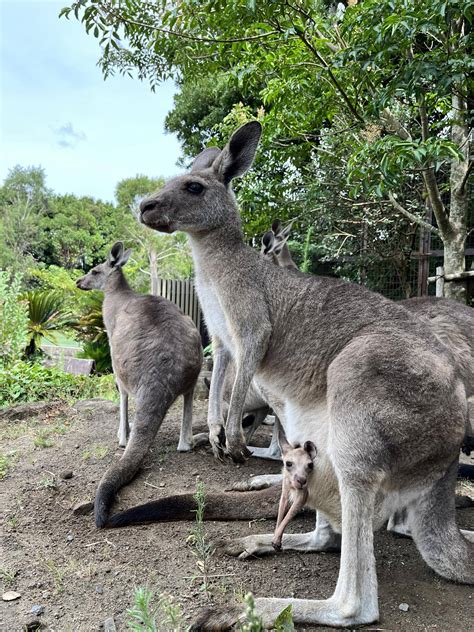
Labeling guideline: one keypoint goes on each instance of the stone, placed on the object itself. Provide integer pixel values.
(404, 607)
(66, 474)
(83, 508)
(10, 595)
(99, 590)
(37, 610)
(109, 625)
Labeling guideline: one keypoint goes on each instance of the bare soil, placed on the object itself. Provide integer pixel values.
(82, 576)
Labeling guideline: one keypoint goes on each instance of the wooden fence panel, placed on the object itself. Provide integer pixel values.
(182, 294)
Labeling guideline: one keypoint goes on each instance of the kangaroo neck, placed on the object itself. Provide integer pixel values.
(216, 247)
(116, 283)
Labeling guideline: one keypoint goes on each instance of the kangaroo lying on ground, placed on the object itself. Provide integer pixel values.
(369, 383)
(156, 356)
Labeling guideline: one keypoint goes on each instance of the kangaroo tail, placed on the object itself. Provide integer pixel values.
(149, 416)
(219, 506)
(434, 529)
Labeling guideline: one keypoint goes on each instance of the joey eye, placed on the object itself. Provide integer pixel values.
(94, 272)
(195, 187)
(288, 463)
(310, 466)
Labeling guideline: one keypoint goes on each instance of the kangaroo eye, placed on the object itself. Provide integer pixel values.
(288, 464)
(195, 187)
(94, 272)
(310, 466)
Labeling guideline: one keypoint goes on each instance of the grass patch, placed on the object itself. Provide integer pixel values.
(97, 451)
(59, 572)
(7, 575)
(43, 440)
(7, 459)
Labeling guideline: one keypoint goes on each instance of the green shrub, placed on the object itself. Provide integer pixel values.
(47, 317)
(13, 319)
(29, 382)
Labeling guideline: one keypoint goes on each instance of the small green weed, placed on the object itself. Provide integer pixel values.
(97, 451)
(7, 459)
(43, 440)
(201, 547)
(163, 616)
(7, 575)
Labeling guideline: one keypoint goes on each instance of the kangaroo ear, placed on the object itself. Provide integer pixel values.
(115, 253)
(205, 159)
(285, 233)
(267, 242)
(124, 258)
(237, 156)
(276, 226)
(283, 441)
(310, 448)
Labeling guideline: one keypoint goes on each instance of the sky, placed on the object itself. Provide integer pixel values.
(57, 111)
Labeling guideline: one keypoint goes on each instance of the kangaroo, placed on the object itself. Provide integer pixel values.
(275, 247)
(357, 374)
(156, 356)
(298, 470)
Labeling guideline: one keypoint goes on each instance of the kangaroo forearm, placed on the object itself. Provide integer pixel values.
(221, 362)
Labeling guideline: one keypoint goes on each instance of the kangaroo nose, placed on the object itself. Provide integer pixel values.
(147, 205)
(78, 282)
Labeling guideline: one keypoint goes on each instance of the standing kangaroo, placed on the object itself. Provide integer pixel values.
(156, 356)
(358, 375)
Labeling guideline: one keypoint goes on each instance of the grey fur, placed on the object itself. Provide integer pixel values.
(156, 355)
(360, 376)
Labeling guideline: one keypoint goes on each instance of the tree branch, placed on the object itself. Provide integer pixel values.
(193, 38)
(421, 222)
(395, 125)
(460, 189)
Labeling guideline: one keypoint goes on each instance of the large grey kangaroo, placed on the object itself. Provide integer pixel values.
(374, 389)
(156, 356)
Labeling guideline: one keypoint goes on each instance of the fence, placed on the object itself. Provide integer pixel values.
(183, 294)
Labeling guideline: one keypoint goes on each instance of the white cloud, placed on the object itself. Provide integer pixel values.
(68, 137)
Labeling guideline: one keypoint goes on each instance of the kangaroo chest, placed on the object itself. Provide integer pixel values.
(216, 320)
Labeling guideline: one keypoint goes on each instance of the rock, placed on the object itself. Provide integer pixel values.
(10, 595)
(404, 607)
(37, 610)
(69, 537)
(81, 509)
(96, 404)
(99, 590)
(24, 411)
(66, 474)
(109, 625)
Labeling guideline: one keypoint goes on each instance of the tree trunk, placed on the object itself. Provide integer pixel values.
(454, 243)
(153, 273)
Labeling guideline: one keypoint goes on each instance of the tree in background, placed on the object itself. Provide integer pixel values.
(373, 98)
(23, 202)
(159, 249)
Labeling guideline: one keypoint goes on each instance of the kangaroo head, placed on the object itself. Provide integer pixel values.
(298, 462)
(96, 278)
(274, 246)
(202, 200)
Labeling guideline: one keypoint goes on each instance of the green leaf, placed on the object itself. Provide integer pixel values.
(284, 621)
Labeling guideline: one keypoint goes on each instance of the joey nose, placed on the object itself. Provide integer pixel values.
(300, 481)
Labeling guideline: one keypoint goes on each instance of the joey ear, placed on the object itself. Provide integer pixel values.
(237, 156)
(310, 448)
(283, 441)
(115, 253)
(205, 159)
(268, 240)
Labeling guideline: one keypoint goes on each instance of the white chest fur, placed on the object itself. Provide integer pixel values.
(214, 314)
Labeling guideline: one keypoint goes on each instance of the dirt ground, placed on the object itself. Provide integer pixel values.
(82, 576)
